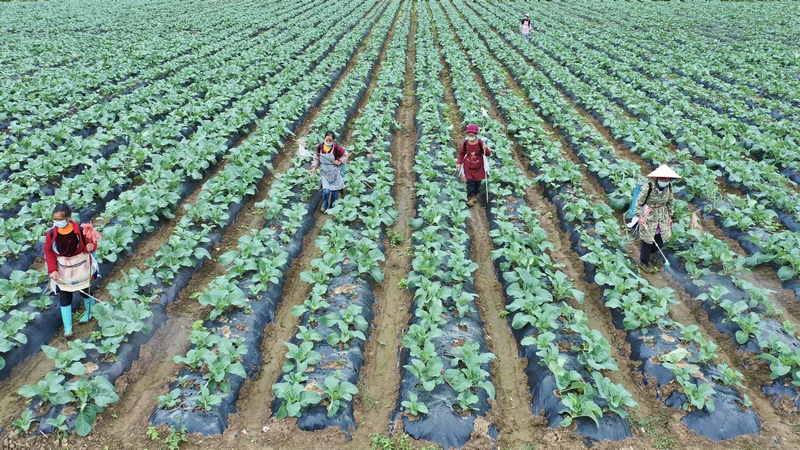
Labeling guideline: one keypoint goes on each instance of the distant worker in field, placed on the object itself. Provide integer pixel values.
(473, 162)
(67, 251)
(330, 156)
(654, 207)
(525, 27)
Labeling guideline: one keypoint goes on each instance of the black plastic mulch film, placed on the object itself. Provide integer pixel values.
(443, 424)
(541, 380)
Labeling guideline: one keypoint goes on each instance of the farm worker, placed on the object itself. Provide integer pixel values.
(330, 156)
(67, 251)
(655, 207)
(472, 162)
(525, 27)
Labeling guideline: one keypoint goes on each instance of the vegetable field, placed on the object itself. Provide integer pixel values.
(235, 313)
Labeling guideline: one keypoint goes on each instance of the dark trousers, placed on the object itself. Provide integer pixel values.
(473, 186)
(65, 298)
(648, 249)
(328, 197)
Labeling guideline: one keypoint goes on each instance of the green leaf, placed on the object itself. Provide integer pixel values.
(282, 411)
(227, 258)
(489, 387)
(28, 391)
(294, 409)
(416, 223)
(50, 352)
(76, 368)
(674, 356)
(742, 337)
(200, 252)
(85, 420)
(785, 273)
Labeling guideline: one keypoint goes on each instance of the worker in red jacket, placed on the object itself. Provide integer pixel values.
(331, 158)
(473, 162)
(68, 255)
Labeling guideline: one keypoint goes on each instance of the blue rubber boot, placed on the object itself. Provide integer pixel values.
(87, 303)
(66, 316)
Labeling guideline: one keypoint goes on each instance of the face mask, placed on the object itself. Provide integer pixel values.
(471, 138)
(663, 184)
(61, 223)
(328, 143)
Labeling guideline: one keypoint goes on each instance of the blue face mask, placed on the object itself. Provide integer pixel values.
(61, 223)
(663, 184)
(471, 138)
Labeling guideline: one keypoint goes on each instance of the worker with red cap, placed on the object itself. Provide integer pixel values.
(472, 162)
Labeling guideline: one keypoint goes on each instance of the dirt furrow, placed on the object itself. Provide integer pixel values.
(254, 403)
(765, 277)
(155, 361)
(154, 370)
(590, 184)
(598, 315)
(688, 310)
(380, 375)
(511, 410)
(36, 366)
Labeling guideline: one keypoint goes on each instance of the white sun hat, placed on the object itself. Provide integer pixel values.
(664, 172)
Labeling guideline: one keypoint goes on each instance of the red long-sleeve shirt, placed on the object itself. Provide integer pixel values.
(50, 254)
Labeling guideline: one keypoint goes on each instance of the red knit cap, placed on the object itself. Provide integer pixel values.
(472, 128)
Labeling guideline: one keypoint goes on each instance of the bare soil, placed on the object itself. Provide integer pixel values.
(380, 374)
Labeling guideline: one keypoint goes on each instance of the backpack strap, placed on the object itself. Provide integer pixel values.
(79, 232)
(480, 142)
(337, 148)
(649, 190)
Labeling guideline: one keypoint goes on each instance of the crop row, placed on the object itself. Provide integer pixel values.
(723, 141)
(290, 207)
(138, 211)
(445, 361)
(735, 306)
(105, 120)
(636, 307)
(96, 180)
(562, 350)
(40, 95)
(336, 318)
(642, 134)
(767, 135)
(263, 144)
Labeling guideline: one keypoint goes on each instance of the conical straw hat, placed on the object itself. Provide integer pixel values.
(663, 172)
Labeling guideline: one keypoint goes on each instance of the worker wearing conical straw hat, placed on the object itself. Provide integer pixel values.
(655, 207)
